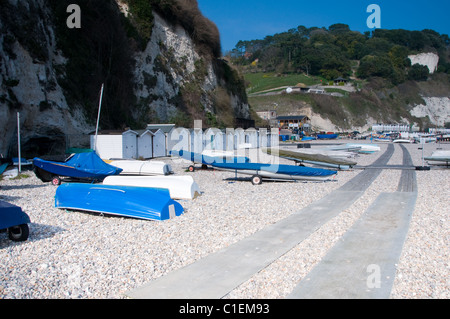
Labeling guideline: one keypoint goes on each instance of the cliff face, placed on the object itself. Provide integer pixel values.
(52, 75)
(28, 81)
(431, 60)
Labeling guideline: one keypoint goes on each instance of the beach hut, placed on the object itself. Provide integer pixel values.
(129, 144)
(179, 139)
(159, 143)
(196, 140)
(251, 137)
(214, 139)
(263, 138)
(239, 137)
(229, 140)
(145, 144)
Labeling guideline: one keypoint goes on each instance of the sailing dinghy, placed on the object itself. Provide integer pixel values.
(125, 201)
(439, 158)
(180, 187)
(82, 166)
(316, 156)
(366, 148)
(277, 171)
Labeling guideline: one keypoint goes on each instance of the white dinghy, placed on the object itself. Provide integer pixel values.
(366, 148)
(180, 187)
(149, 168)
(439, 158)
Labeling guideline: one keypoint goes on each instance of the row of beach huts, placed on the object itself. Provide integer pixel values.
(158, 140)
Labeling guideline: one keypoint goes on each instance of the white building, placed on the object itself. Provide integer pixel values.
(115, 144)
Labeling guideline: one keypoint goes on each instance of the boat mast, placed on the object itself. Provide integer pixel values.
(98, 118)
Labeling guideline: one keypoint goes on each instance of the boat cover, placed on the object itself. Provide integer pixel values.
(81, 165)
(12, 215)
(126, 201)
(290, 170)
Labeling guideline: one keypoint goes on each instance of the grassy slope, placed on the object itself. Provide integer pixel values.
(377, 99)
(266, 81)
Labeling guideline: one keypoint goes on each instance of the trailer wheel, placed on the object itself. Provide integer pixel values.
(256, 180)
(19, 233)
(56, 181)
(191, 168)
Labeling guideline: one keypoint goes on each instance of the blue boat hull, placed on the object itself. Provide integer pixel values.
(327, 136)
(81, 166)
(278, 171)
(126, 201)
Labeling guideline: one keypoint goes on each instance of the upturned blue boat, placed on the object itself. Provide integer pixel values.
(125, 201)
(82, 166)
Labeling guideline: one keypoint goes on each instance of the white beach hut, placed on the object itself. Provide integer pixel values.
(251, 137)
(159, 143)
(213, 139)
(263, 138)
(229, 140)
(179, 139)
(197, 143)
(129, 144)
(145, 144)
(239, 137)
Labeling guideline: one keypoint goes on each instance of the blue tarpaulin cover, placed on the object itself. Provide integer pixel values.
(82, 165)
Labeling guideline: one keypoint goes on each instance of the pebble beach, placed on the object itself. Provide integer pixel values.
(79, 255)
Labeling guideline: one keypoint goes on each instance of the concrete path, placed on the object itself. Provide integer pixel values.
(362, 263)
(219, 273)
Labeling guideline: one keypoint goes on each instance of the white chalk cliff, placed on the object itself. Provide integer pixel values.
(431, 60)
(437, 109)
(29, 80)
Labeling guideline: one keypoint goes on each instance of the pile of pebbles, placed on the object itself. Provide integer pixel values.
(86, 255)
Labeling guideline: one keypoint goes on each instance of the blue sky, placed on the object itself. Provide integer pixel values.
(255, 19)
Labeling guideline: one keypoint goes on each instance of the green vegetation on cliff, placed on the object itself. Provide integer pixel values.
(332, 52)
(103, 51)
(385, 84)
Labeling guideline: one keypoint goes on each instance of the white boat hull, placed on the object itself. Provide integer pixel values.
(148, 168)
(366, 148)
(439, 158)
(180, 187)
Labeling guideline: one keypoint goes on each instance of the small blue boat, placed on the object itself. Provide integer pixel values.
(15, 221)
(277, 171)
(126, 201)
(327, 136)
(82, 166)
